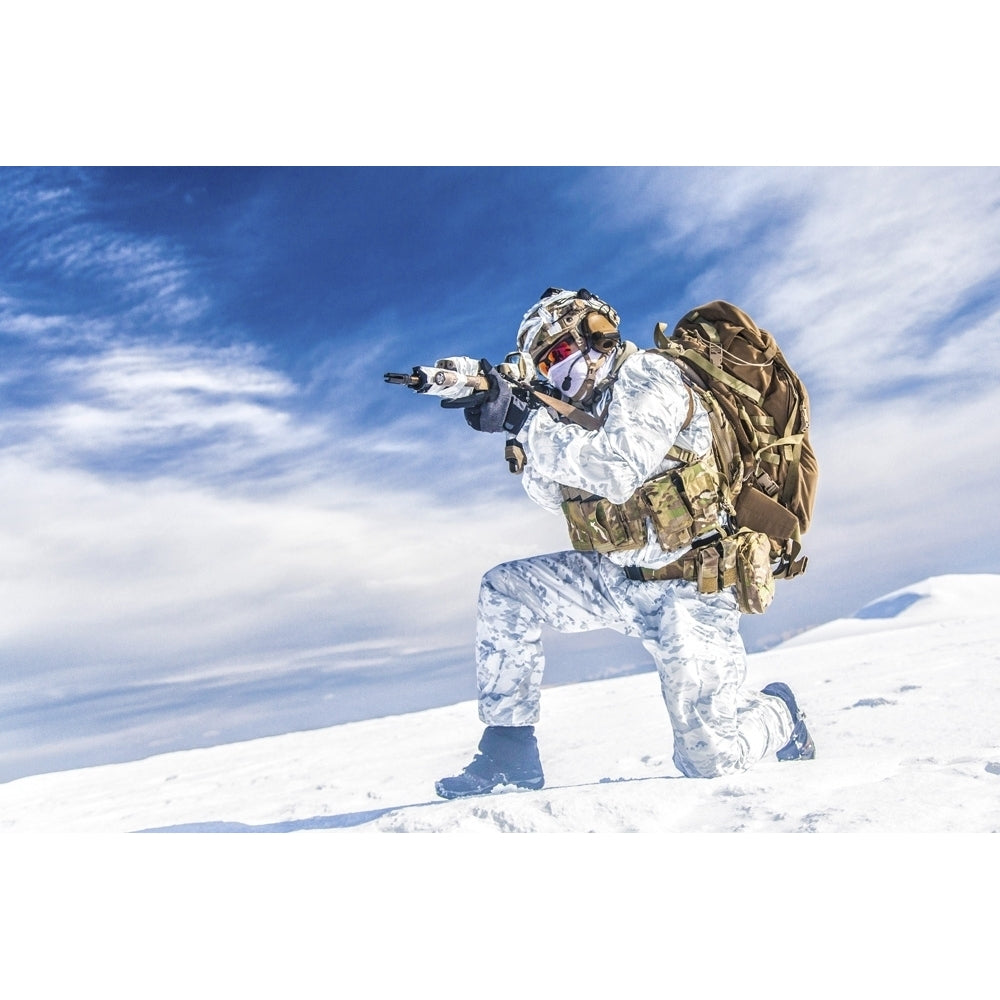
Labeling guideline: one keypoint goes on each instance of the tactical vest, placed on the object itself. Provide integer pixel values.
(683, 505)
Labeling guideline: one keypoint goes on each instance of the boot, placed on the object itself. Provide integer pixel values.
(800, 746)
(508, 755)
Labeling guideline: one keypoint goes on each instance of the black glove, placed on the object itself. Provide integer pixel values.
(497, 409)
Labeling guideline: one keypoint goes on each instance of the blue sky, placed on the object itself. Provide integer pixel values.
(218, 522)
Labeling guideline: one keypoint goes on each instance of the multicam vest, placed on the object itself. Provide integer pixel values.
(682, 504)
(688, 507)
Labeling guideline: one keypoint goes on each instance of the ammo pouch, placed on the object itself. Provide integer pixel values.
(742, 560)
(598, 525)
(681, 503)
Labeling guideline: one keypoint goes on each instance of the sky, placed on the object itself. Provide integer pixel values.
(219, 522)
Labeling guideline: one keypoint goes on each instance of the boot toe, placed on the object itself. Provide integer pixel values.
(465, 784)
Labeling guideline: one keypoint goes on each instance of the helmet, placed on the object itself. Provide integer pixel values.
(579, 318)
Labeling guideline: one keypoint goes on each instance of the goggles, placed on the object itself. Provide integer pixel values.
(559, 351)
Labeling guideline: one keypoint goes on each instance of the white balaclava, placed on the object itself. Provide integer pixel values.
(569, 374)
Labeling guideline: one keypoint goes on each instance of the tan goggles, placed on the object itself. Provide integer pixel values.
(559, 351)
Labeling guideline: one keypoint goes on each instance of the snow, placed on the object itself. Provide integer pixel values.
(904, 712)
(901, 700)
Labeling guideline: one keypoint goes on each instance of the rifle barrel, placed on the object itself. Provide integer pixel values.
(399, 378)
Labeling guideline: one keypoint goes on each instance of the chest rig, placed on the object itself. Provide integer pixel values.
(687, 507)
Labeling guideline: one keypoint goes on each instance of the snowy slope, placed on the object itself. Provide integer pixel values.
(903, 701)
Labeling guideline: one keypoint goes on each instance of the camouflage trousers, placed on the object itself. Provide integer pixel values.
(718, 727)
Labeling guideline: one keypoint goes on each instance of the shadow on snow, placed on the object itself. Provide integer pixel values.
(343, 820)
(337, 822)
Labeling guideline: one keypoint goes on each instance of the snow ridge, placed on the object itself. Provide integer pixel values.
(902, 701)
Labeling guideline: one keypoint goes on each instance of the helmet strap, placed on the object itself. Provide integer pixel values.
(586, 391)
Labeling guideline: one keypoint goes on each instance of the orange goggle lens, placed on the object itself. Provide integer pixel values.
(559, 351)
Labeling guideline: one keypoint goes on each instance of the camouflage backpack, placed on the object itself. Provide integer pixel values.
(760, 416)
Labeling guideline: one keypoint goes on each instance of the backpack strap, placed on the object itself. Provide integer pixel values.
(710, 365)
(677, 453)
(793, 442)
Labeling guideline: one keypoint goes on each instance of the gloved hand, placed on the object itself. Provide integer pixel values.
(495, 410)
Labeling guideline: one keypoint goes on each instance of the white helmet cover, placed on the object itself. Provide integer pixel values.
(591, 322)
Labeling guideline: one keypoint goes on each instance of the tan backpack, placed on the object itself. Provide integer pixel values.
(762, 437)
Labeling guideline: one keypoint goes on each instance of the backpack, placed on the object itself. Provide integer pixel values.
(759, 410)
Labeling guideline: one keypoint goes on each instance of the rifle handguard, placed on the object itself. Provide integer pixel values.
(439, 381)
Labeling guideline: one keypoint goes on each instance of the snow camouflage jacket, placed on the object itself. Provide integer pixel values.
(647, 406)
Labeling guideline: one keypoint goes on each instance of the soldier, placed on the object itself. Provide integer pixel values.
(611, 475)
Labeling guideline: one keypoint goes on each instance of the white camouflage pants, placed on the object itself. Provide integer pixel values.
(694, 639)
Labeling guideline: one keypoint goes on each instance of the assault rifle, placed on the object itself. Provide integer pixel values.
(457, 378)
(457, 382)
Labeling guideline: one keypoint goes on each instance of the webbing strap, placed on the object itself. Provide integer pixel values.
(708, 329)
(571, 412)
(792, 439)
(737, 385)
(664, 343)
(793, 443)
(789, 566)
(690, 412)
(676, 452)
(672, 571)
(791, 485)
(683, 455)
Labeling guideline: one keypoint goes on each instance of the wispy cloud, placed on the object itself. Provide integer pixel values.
(883, 288)
(185, 408)
(173, 519)
(48, 231)
(869, 275)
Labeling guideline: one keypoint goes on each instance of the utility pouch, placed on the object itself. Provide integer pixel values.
(743, 560)
(754, 578)
(668, 511)
(707, 567)
(597, 525)
(699, 489)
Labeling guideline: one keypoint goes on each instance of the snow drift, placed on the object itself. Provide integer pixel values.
(902, 700)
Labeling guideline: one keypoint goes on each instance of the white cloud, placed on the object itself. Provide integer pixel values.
(861, 272)
(261, 540)
(48, 230)
(879, 265)
(194, 410)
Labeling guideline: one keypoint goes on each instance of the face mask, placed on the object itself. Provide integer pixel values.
(569, 375)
